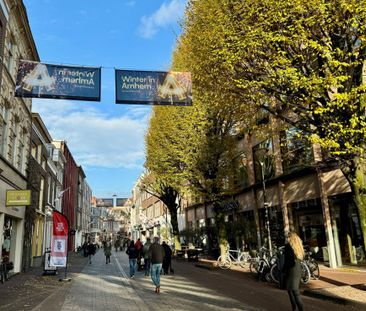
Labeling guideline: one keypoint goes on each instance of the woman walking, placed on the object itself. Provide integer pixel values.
(294, 253)
(108, 251)
(132, 256)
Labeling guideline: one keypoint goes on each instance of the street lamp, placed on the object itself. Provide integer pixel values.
(261, 161)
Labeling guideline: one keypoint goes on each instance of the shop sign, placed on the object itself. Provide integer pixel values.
(18, 197)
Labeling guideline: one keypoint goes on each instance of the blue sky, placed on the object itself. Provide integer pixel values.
(106, 139)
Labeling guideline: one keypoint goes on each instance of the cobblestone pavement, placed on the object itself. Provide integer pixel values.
(24, 291)
(107, 287)
(103, 287)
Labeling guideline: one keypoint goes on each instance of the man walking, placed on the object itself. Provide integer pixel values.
(145, 251)
(156, 256)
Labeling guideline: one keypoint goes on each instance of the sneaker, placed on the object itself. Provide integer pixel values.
(132, 276)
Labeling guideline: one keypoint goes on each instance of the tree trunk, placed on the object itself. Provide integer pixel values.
(220, 222)
(174, 223)
(357, 180)
(359, 192)
(223, 242)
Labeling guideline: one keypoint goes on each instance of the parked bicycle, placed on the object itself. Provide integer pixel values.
(309, 267)
(360, 254)
(305, 273)
(235, 257)
(311, 264)
(261, 264)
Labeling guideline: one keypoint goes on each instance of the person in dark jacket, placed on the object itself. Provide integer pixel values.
(167, 260)
(108, 251)
(145, 251)
(132, 256)
(90, 250)
(156, 254)
(293, 254)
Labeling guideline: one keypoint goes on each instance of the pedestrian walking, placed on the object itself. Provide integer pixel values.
(108, 251)
(293, 254)
(167, 260)
(156, 256)
(138, 246)
(145, 251)
(117, 244)
(90, 250)
(132, 258)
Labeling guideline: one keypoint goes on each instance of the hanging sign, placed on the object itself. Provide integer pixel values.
(18, 197)
(59, 240)
(57, 81)
(153, 87)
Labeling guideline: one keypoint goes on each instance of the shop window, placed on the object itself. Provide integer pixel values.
(276, 225)
(308, 222)
(241, 179)
(6, 246)
(263, 160)
(296, 150)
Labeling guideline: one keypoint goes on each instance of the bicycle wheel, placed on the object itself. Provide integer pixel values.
(359, 254)
(275, 273)
(244, 260)
(224, 264)
(305, 273)
(314, 269)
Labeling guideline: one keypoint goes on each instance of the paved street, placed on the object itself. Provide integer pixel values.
(107, 287)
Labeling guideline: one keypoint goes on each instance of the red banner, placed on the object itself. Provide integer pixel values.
(59, 240)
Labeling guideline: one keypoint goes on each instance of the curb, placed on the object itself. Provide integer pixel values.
(205, 266)
(338, 300)
(315, 294)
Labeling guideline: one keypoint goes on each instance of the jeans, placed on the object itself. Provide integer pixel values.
(147, 266)
(132, 262)
(155, 273)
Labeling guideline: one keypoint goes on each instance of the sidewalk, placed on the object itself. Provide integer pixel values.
(343, 285)
(24, 291)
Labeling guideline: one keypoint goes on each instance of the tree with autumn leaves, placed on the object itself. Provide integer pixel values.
(301, 61)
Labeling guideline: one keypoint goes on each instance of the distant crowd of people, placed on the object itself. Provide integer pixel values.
(151, 257)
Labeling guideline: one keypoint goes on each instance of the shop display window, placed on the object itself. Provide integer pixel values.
(5, 252)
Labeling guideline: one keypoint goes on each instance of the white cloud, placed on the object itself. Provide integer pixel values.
(167, 14)
(95, 138)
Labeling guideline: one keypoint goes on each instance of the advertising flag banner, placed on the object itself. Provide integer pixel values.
(59, 240)
(57, 81)
(153, 87)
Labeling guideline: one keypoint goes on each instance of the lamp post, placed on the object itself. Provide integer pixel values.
(265, 203)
